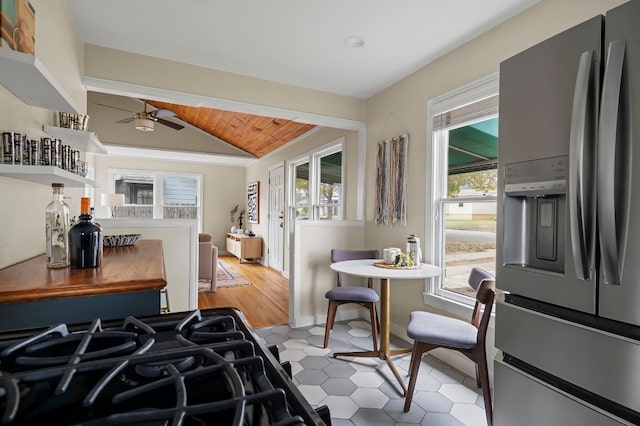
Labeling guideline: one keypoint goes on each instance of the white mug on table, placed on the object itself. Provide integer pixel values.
(389, 255)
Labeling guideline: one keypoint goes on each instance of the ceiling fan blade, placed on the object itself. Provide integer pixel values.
(110, 106)
(126, 120)
(170, 124)
(164, 113)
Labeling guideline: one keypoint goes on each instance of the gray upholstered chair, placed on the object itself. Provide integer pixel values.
(431, 331)
(207, 260)
(363, 296)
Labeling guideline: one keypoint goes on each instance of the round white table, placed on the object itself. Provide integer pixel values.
(366, 268)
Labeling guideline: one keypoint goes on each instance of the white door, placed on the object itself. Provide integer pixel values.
(276, 217)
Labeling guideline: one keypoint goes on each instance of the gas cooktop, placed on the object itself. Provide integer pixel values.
(200, 367)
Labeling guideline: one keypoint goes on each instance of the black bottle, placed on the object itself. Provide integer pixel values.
(85, 240)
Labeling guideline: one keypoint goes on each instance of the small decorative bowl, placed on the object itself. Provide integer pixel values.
(120, 240)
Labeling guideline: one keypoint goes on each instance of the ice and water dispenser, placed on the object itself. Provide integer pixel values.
(535, 214)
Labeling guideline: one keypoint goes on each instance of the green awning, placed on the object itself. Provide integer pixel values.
(330, 166)
(473, 147)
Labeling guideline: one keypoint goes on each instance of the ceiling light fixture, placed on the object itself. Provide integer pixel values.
(353, 42)
(144, 124)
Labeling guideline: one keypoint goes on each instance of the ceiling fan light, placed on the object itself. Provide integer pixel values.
(144, 124)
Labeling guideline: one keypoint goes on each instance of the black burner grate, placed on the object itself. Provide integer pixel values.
(185, 368)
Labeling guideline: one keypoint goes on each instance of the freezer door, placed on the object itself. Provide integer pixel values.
(539, 90)
(618, 154)
(523, 400)
(595, 361)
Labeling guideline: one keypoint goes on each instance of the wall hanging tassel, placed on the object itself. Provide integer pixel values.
(391, 181)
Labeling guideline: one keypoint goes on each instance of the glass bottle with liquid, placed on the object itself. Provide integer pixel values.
(85, 239)
(57, 228)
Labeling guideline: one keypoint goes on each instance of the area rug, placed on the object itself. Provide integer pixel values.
(226, 276)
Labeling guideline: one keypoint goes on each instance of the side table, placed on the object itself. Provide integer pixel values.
(244, 247)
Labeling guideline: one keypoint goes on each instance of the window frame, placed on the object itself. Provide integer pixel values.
(434, 295)
(154, 183)
(317, 204)
(314, 158)
(158, 187)
(293, 205)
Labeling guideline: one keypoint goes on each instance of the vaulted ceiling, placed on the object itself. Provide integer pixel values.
(253, 134)
(189, 129)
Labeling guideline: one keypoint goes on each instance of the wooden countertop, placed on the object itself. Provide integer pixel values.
(124, 269)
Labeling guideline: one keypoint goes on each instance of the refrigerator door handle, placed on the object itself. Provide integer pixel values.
(582, 167)
(608, 221)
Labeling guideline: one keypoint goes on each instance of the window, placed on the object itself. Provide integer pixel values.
(316, 191)
(464, 135)
(180, 197)
(301, 190)
(156, 194)
(329, 182)
(180, 191)
(137, 189)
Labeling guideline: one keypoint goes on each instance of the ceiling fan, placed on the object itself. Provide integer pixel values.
(146, 120)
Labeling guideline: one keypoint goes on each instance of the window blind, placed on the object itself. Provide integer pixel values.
(465, 114)
(180, 191)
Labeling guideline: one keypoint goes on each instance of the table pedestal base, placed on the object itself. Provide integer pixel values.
(385, 356)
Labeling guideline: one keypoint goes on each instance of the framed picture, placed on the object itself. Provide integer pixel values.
(253, 202)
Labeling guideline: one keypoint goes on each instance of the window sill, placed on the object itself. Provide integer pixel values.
(460, 310)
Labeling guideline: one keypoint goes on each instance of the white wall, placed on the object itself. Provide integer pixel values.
(60, 48)
(311, 277)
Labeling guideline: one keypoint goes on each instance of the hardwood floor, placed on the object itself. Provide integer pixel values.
(265, 302)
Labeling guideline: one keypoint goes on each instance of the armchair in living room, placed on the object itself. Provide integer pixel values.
(207, 259)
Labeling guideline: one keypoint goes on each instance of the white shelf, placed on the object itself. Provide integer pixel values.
(27, 78)
(45, 175)
(78, 139)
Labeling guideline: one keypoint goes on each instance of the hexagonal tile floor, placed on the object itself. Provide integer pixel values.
(363, 391)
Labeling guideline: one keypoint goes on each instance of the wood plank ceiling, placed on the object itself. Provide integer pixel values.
(256, 135)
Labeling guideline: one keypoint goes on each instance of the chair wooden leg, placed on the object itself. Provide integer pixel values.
(416, 358)
(478, 377)
(331, 316)
(374, 327)
(486, 387)
(166, 308)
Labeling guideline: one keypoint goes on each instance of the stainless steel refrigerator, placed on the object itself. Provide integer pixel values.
(568, 328)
